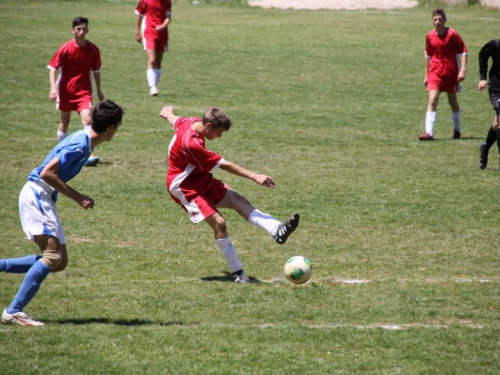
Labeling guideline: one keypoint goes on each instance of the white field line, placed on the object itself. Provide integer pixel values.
(390, 327)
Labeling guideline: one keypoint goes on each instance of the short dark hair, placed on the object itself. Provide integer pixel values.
(439, 12)
(217, 117)
(79, 20)
(106, 114)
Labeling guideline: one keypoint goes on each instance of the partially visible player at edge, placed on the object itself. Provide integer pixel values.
(191, 184)
(37, 207)
(490, 49)
(443, 71)
(151, 29)
(75, 61)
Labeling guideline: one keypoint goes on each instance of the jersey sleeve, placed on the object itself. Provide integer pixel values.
(96, 66)
(200, 157)
(141, 8)
(56, 61)
(68, 155)
(429, 51)
(461, 49)
(484, 54)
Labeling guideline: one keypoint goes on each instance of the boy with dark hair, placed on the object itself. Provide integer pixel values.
(443, 73)
(490, 49)
(191, 184)
(37, 206)
(75, 60)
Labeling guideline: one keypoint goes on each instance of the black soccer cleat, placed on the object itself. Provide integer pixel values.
(241, 277)
(285, 229)
(483, 156)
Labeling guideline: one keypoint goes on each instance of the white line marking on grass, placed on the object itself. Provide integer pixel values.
(355, 281)
(390, 327)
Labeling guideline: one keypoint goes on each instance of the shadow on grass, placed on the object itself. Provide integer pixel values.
(118, 322)
(227, 277)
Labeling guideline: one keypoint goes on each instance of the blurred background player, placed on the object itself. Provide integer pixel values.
(37, 207)
(153, 18)
(191, 184)
(445, 65)
(75, 60)
(490, 49)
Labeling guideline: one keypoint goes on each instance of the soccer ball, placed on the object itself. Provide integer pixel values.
(298, 270)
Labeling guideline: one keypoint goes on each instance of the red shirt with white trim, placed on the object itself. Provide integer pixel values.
(443, 51)
(190, 164)
(75, 65)
(154, 11)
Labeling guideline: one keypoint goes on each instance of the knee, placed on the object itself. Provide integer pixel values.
(53, 259)
(220, 227)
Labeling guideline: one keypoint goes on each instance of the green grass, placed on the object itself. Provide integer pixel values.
(329, 103)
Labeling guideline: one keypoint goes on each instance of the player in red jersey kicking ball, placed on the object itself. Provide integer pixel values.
(191, 184)
(443, 71)
(72, 90)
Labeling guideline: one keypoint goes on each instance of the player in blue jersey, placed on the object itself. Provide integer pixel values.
(37, 206)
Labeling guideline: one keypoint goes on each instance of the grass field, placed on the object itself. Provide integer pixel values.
(329, 103)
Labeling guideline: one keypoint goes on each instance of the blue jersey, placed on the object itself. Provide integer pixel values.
(72, 152)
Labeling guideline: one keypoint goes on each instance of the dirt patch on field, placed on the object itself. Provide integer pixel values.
(333, 4)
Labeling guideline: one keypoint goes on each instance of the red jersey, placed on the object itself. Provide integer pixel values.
(153, 11)
(443, 51)
(190, 164)
(75, 65)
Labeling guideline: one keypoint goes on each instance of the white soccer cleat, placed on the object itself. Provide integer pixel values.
(153, 91)
(20, 318)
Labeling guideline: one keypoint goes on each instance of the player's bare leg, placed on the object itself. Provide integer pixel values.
(62, 130)
(86, 117)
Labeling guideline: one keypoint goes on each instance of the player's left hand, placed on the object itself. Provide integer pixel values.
(100, 95)
(264, 180)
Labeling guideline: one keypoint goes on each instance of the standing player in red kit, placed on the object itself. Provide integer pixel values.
(153, 18)
(191, 184)
(75, 60)
(445, 65)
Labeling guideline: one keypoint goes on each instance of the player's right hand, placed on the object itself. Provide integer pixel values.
(53, 95)
(481, 85)
(86, 202)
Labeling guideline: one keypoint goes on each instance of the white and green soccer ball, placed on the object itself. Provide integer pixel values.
(298, 270)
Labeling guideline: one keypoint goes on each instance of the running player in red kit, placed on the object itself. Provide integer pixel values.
(75, 61)
(153, 18)
(191, 184)
(445, 65)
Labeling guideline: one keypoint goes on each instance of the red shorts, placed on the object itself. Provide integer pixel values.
(443, 84)
(153, 40)
(205, 204)
(73, 106)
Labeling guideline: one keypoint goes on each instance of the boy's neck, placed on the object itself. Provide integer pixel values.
(81, 42)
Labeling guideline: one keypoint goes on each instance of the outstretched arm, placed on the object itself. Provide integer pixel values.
(261, 179)
(167, 113)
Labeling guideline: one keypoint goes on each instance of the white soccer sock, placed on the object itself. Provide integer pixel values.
(455, 117)
(227, 249)
(157, 76)
(61, 135)
(430, 118)
(150, 73)
(264, 221)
